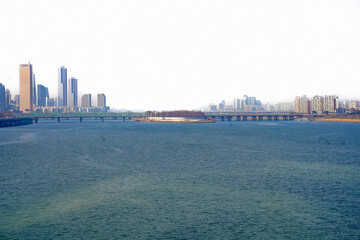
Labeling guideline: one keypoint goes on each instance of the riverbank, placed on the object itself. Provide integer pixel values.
(336, 120)
(175, 120)
(12, 122)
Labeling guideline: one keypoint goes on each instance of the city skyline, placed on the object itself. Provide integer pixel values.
(182, 55)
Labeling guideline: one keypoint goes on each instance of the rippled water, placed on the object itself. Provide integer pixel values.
(229, 180)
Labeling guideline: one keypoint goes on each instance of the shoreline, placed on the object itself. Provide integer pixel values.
(337, 120)
(12, 122)
(180, 120)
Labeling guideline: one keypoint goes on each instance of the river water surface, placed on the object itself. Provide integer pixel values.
(228, 180)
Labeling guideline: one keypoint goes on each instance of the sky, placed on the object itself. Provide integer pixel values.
(185, 54)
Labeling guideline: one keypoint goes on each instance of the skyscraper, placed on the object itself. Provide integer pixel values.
(73, 92)
(237, 104)
(42, 95)
(101, 100)
(86, 100)
(26, 88)
(7, 99)
(34, 90)
(2, 98)
(62, 87)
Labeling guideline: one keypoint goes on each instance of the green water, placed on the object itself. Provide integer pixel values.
(238, 180)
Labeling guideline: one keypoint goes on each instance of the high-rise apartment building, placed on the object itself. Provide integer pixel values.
(327, 104)
(7, 99)
(86, 100)
(317, 104)
(101, 100)
(302, 105)
(73, 92)
(62, 86)
(331, 103)
(26, 88)
(2, 98)
(42, 95)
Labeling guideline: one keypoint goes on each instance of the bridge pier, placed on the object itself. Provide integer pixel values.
(229, 118)
(269, 118)
(123, 119)
(285, 118)
(276, 118)
(36, 120)
(291, 118)
(81, 119)
(222, 118)
(238, 118)
(102, 119)
(58, 120)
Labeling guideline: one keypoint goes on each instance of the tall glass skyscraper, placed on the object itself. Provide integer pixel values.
(73, 92)
(62, 87)
(2, 98)
(43, 94)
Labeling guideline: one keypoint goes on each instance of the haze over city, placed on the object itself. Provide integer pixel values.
(163, 55)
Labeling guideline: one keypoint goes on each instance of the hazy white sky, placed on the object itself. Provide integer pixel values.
(183, 54)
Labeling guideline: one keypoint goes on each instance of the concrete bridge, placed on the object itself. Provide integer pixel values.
(82, 117)
(244, 116)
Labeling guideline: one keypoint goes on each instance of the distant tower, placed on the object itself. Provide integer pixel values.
(17, 102)
(62, 87)
(7, 99)
(86, 100)
(26, 88)
(2, 98)
(34, 90)
(73, 92)
(101, 100)
(43, 94)
(237, 105)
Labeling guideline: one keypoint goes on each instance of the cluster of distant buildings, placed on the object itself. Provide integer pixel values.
(245, 104)
(35, 98)
(315, 105)
(324, 104)
(249, 104)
